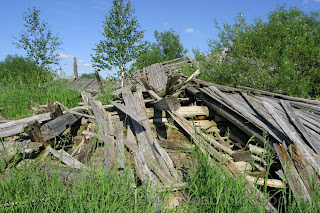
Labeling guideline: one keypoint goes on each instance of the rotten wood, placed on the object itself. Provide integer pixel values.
(56, 127)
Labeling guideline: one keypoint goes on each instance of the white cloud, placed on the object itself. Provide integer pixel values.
(81, 72)
(80, 61)
(65, 56)
(190, 30)
(316, 0)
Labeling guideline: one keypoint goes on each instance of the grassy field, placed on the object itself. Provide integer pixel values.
(18, 99)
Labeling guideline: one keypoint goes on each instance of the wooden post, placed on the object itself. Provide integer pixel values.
(99, 80)
(75, 67)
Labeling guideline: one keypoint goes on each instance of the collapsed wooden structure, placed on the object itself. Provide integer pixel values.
(238, 127)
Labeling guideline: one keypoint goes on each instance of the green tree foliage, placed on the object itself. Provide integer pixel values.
(39, 41)
(122, 41)
(20, 70)
(167, 47)
(281, 54)
(88, 75)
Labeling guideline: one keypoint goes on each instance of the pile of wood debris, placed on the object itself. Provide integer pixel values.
(161, 117)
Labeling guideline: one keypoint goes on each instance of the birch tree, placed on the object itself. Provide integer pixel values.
(122, 39)
(39, 41)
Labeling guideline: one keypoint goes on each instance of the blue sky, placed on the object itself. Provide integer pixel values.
(79, 22)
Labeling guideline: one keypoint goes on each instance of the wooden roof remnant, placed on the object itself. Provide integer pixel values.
(238, 127)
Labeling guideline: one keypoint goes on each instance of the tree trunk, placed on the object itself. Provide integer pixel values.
(122, 76)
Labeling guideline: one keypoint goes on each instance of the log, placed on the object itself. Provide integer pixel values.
(17, 126)
(185, 147)
(56, 127)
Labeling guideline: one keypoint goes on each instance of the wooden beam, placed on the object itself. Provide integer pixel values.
(120, 157)
(15, 127)
(296, 122)
(75, 68)
(106, 132)
(129, 112)
(56, 127)
(66, 158)
(99, 81)
(305, 151)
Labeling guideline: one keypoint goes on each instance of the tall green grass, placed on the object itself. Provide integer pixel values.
(212, 190)
(100, 192)
(16, 99)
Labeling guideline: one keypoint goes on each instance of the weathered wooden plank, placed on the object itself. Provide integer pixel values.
(66, 158)
(228, 114)
(85, 99)
(87, 148)
(120, 157)
(297, 186)
(55, 110)
(157, 77)
(185, 111)
(158, 149)
(274, 183)
(99, 81)
(170, 83)
(104, 122)
(295, 120)
(74, 112)
(285, 97)
(75, 67)
(294, 137)
(129, 112)
(241, 155)
(58, 126)
(246, 114)
(15, 127)
(141, 133)
(167, 103)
